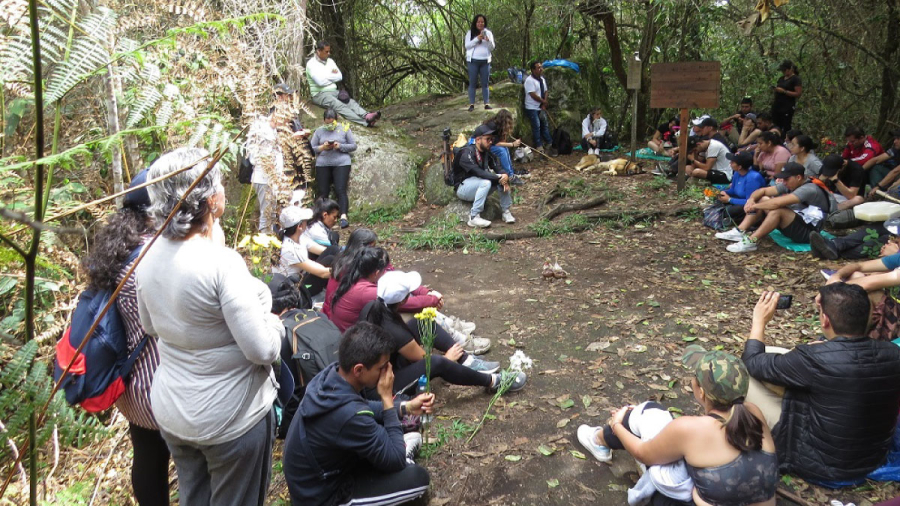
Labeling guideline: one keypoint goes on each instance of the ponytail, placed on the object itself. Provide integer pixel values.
(743, 430)
(287, 232)
(364, 263)
(381, 313)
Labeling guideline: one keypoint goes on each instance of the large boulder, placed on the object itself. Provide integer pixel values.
(433, 187)
(462, 208)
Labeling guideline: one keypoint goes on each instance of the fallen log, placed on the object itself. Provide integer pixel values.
(554, 194)
(577, 206)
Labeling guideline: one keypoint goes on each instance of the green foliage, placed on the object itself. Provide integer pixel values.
(442, 234)
(566, 225)
(456, 430)
(871, 246)
(76, 494)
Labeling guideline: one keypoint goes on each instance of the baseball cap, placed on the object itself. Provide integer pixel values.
(893, 226)
(745, 160)
(723, 377)
(709, 122)
(282, 88)
(292, 215)
(483, 130)
(790, 169)
(750, 115)
(895, 133)
(831, 165)
(394, 286)
(139, 199)
(698, 121)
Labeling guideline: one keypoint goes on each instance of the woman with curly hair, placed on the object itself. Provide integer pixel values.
(105, 265)
(502, 123)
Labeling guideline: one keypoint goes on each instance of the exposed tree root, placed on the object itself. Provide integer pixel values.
(577, 206)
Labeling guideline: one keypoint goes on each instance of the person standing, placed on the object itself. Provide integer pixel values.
(536, 103)
(323, 75)
(479, 44)
(787, 90)
(333, 142)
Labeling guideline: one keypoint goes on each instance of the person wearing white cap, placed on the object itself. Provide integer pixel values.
(294, 252)
(455, 366)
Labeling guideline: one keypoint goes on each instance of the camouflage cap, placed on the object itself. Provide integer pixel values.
(722, 376)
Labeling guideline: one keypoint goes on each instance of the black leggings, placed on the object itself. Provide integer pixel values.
(340, 176)
(371, 487)
(149, 466)
(441, 367)
(314, 283)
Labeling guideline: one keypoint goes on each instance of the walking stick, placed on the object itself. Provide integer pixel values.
(545, 155)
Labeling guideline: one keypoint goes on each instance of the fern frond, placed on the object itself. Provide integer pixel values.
(61, 7)
(14, 372)
(167, 108)
(201, 130)
(86, 57)
(151, 73)
(149, 97)
(216, 137)
(15, 59)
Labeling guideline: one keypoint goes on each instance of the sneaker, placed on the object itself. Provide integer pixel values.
(487, 107)
(344, 223)
(745, 245)
(478, 364)
(471, 107)
(477, 345)
(520, 171)
(553, 152)
(515, 180)
(518, 382)
(463, 326)
(508, 217)
(413, 442)
(587, 438)
(734, 234)
(822, 247)
(478, 222)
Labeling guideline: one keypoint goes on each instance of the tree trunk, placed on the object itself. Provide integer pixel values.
(112, 120)
(888, 106)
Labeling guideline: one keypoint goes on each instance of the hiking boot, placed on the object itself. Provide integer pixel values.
(478, 222)
(518, 382)
(515, 180)
(344, 223)
(553, 152)
(745, 245)
(734, 234)
(587, 436)
(478, 364)
(471, 107)
(822, 247)
(487, 107)
(477, 345)
(508, 217)
(413, 442)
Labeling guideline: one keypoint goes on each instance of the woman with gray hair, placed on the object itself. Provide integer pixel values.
(213, 391)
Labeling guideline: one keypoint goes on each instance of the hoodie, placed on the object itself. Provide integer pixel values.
(337, 430)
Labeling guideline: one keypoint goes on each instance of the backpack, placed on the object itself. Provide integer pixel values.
(245, 168)
(714, 216)
(310, 344)
(450, 159)
(562, 142)
(97, 377)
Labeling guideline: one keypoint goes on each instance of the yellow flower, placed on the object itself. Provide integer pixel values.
(244, 241)
(255, 260)
(429, 313)
(275, 242)
(261, 240)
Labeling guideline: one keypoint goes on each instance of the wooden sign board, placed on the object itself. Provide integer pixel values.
(685, 85)
(634, 75)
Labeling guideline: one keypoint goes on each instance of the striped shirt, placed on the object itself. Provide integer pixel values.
(135, 401)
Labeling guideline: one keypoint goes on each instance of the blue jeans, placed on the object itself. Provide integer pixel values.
(502, 155)
(476, 191)
(482, 69)
(540, 127)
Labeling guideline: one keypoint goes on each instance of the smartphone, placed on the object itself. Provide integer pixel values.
(784, 301)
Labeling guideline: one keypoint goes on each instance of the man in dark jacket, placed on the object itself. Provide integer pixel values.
(343, 449)
(476, 174)
(836, 419)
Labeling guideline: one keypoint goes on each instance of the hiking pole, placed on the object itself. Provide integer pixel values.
(886, 196)
(545, 155)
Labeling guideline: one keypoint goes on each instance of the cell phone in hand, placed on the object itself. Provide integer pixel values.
(784, 301)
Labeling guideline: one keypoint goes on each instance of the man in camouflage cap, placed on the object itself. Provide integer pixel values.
(722, 376)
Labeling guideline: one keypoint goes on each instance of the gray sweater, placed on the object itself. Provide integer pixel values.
(217, 340)
(333, 157)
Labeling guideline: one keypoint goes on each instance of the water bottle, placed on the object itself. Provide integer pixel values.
(420, 389)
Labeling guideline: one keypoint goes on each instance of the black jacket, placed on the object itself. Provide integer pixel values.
(466, 165)
(840, 405)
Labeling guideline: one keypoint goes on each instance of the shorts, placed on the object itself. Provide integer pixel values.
(885, 319)
(798, 231)
(717, 177)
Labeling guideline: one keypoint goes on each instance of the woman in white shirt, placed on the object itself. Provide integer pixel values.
(593, 131)
(479, 44)
(294, 253)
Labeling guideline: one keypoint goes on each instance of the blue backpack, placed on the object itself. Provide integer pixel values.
(97, 377)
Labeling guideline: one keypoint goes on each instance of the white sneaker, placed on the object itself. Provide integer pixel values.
(413, 442)
(734, 234)
(465, 327)
(478, 222)
(477, 345)
(508, 217)
(743, 246)
(586, 436)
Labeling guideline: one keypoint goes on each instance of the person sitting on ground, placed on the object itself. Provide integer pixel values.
(536, 103)
(876, 276)
(729, 453)
(796, 207)
(848, 385)
(664, 137)
(459, 330)
(749, 132)
(802, 151)
(593, 132)
(476, 174)
(323, 75)
(890, 160)
(744, 181)
(709, 128)
(790, 135)
(715, 168)
(770, 156)
(845, 178)
(502, 123)
(294, 259)
(862, 148)
(737, 119)
(408, 357)
(344, 449)
(766, 124)
(696, 129)
(863, 243)
(319, 231)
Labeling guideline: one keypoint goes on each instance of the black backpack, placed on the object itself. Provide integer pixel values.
(245, 168)
(562, 142)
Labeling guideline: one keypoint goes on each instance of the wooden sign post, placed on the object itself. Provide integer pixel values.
(685, 85)
(634, 84)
